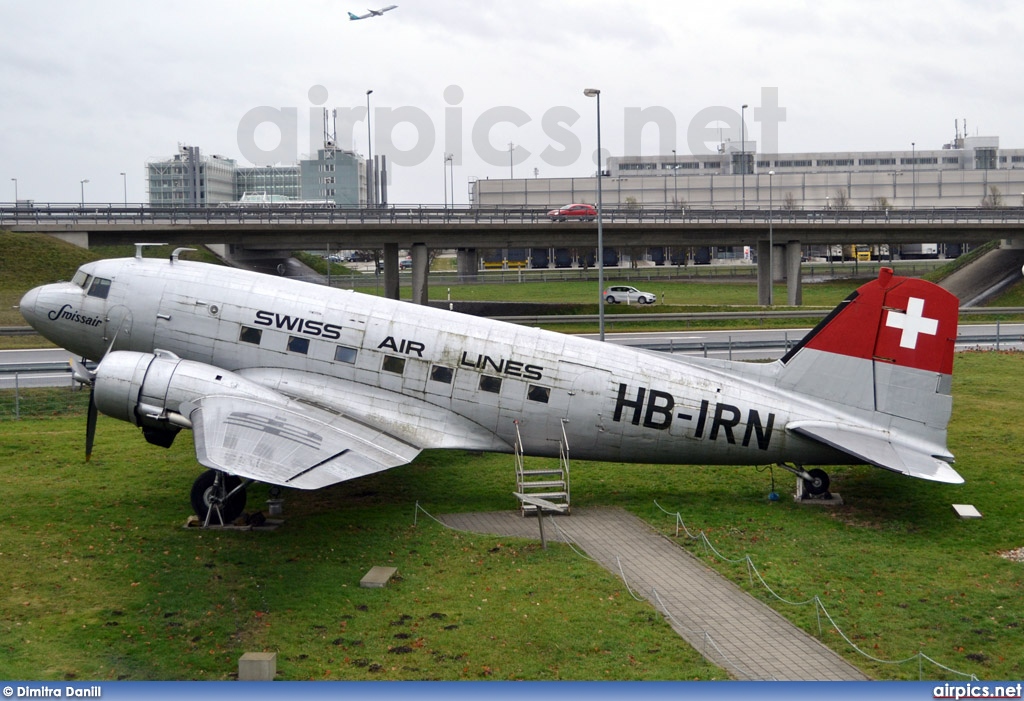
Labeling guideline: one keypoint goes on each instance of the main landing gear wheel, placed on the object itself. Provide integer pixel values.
(218, 497)
(818, 482)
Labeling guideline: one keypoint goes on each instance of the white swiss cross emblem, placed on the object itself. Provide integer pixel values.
(913, 322)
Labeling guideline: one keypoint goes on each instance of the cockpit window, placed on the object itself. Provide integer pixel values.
(100, 287)
(81, 278)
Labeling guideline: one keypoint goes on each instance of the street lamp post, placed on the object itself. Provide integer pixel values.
(511, 147)
(124, 181)
(451, 176)
(771, 241)
(371, 185)
(82, 183)
(594, 92)
(449, 162)
(675, 181)
(15, 181)
(913, 175)
(743, 155)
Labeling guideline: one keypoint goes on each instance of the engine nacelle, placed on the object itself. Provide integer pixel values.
(149, 390)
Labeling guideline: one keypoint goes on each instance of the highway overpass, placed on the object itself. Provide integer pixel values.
(274, 230)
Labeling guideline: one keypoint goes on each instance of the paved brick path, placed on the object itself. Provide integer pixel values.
(730, 628)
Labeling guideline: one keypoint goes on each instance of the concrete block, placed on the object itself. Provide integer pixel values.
(257, 667)
(966, 511)
(377, 577)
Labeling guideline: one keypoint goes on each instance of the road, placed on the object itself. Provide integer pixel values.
(18, 368)
(47, 367)
(770, 344)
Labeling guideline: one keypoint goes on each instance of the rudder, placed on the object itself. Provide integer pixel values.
(884, 357)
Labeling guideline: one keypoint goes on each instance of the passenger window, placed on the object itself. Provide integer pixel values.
(100, 287)
(249, 334)
(440, 373)
(344, 354)
(297, 344)
(490, 384)
(538, 394)
(394, 364)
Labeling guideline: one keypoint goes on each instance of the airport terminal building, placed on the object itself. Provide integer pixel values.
(967, 172)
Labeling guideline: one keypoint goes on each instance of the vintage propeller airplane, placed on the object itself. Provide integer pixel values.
(298, 385)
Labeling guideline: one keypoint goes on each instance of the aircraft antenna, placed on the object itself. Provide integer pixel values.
(178, 251)
(330, 132)
(140, 246)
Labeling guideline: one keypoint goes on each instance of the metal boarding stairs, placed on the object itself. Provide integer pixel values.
(550, 485)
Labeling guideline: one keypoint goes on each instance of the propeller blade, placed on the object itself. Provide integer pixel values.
(80, 373)
(90, 425)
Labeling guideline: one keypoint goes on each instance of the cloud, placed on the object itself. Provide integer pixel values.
(101, 88)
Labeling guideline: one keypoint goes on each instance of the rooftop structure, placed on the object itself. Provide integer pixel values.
(967, 172)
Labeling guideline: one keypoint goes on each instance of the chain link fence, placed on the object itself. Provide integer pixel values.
(34, 402)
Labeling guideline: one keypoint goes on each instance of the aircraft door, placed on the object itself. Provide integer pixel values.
(118, 330)
(589, 414)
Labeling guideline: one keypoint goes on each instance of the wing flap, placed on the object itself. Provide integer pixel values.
(878, 448)
(293, 446)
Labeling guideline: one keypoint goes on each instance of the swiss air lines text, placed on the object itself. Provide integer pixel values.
(655, 409)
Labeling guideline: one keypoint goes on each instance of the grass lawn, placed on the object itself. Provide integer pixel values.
(100, 580)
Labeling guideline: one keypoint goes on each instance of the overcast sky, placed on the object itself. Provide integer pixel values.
(93, 89)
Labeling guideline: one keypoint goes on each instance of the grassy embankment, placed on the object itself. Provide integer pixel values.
(30, 260)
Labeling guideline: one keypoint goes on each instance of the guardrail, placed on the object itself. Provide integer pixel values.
(233, 214)
(997, 341)
(814, 313)
(785, 344)
(719, 316)
(48, 368)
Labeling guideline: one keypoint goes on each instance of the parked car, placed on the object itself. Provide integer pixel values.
(579, 212)
(405, 264)
(622, 293)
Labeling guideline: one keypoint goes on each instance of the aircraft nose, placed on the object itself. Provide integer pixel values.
(29, 307)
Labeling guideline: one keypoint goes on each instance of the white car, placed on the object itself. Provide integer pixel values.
(622, 293)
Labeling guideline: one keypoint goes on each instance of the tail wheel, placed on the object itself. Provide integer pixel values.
(818, 483)
(218, 497)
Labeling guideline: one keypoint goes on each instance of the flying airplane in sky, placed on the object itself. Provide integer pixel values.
(372, 13)
(299, 385)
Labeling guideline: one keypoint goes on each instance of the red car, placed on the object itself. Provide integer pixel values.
(579, 212)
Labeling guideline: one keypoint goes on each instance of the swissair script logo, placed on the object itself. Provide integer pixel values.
(913, 322)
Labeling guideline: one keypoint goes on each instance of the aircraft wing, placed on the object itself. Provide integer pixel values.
(876, 447)
(289, 446)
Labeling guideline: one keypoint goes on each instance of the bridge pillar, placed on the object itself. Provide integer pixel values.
(391, 287)
(764, 275)
(466, 264)
(420, 272)
(781, 262)
(794, 284)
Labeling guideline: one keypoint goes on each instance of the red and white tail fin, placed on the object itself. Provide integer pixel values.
(885, 357)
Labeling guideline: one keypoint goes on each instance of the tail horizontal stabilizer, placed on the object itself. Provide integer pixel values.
(882, 450)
